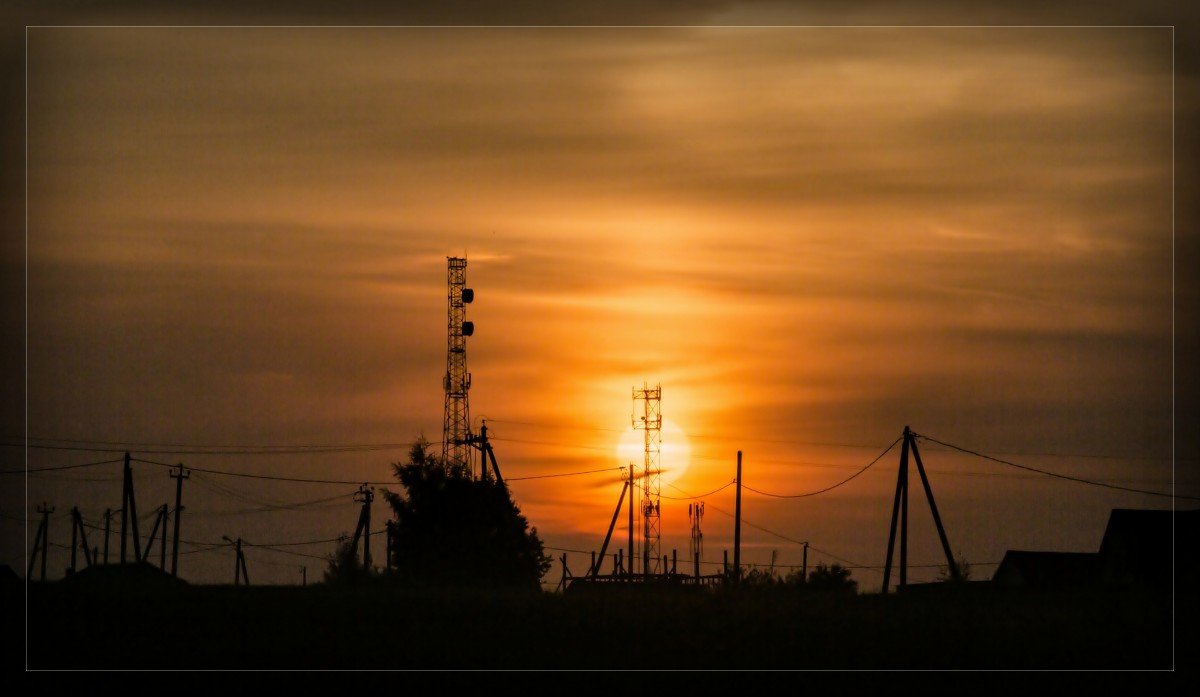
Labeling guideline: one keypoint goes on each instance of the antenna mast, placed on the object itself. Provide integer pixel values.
(456, 425)
(650, 422)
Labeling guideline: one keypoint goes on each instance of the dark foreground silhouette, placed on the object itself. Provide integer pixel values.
(373, 626)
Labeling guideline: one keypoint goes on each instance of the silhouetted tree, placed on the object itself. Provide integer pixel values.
(832, 578)
(452, 529)
(964, 571)
(345, 565)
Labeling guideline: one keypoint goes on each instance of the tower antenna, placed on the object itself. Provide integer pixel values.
(650, 423)
(456, 424)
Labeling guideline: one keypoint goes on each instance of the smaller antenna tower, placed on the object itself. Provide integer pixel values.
(696, 515)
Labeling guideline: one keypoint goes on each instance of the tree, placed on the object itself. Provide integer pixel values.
(964, 571)
(345, 565)
(832, 578)
(452, 529)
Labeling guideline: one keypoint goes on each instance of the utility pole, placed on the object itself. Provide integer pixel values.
(107, 527)
(45, 511)
(162, 542)
(303, 575)
(900, 514)
(178, 474)
(595, 568)
(160, 522)
(239, 564)
(79, 538)
(364, 496)
(74, 533)
(129, 514)
(804, 565)
(737, 524)
(632, 493)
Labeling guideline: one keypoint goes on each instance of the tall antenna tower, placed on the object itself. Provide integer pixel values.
(696, 515)
(650, 423)
(456, 425)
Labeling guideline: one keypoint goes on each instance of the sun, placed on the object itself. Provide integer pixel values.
(676, 451)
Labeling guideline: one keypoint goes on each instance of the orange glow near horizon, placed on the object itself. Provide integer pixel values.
(809, 237)
(675, 451)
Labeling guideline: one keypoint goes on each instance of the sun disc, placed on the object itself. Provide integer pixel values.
(674, 451)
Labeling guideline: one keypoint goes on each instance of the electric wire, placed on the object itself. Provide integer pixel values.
(847, 480)
(1055, 474)
(61, 467)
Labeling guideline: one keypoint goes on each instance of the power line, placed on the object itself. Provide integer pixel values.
(691, 498)
(62, 467)
(741, 438)
(264, 476)
(564, 474)
(828, 488)
(201, 449)
(1055, 474)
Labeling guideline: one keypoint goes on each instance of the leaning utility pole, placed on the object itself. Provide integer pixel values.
(178, 474)
(39, 541)
(129, 514)
(900, 514)
(79, 538)
(632, 497)
(364, 495)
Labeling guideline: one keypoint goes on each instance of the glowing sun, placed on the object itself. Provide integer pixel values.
(675, 451)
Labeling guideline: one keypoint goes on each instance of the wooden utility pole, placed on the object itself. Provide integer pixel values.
(178, 475)
(804, 567)
(107, 527)
(631, 500)
(595, 569)
(900, 515)
(303, 575)
(239, 562)
(79, 538)
(129, 514)
(365, 495)
(565, 573)
(45, 529)
(160, 522)
(737, 524)
(37, 547)
(74, 536)
(162, 542)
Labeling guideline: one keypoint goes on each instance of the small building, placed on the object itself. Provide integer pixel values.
(1048, 570)
(1141, 548)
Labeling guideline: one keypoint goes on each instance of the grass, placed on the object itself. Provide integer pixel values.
(379, 627)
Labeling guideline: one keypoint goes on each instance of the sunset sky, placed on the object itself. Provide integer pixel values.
(811, 237)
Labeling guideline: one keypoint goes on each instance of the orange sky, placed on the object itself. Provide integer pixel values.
(809, 237)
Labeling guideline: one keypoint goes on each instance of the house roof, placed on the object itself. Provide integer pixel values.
(1047, 569)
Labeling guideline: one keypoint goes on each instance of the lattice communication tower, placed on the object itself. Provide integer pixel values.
(650, 423)
(456, 424)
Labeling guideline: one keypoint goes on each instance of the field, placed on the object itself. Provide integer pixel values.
(320, 627)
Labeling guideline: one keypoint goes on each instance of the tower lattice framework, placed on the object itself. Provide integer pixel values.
(456, 424)
(696, 514)
(650, 423)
